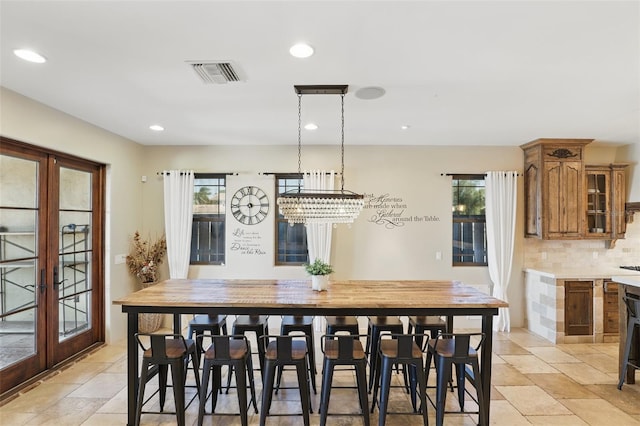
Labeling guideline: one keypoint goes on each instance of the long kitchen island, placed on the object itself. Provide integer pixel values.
(628, 285)
(295, 297)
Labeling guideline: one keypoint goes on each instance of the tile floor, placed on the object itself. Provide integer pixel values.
(534, 382)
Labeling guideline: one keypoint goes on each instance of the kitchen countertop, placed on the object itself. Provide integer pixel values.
(595, 272)
(632, 281)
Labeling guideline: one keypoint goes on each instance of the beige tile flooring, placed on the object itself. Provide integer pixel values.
(534, 382)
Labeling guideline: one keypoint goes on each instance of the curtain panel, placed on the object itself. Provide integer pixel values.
(501, 195)
(178, 218)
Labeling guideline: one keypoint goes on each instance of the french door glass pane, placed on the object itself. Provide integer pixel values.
(17, 337)
(18, 259)
(75, 251)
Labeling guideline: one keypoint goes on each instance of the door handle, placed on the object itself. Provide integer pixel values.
(56, 283)
(42, 285)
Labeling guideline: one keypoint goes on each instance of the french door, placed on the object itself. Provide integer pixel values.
(51, 270)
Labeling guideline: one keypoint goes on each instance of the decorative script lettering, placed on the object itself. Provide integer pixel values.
(247, 242)
(392, 211)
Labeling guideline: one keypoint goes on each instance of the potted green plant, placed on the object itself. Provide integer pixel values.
(319, 272)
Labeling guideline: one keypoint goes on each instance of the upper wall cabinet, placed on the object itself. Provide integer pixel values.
(554, 182)
(605, 201)
(566, 199)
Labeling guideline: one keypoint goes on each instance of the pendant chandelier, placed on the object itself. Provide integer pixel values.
(310, 205)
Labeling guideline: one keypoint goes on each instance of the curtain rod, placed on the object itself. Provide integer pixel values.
(293, 173)
(470, 174)
(166, 172)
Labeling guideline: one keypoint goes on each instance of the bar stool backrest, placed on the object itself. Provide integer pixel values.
(345, 346)
(284, 346)
(222, 346)
(406, 345)
(461, 347)
(159, 351)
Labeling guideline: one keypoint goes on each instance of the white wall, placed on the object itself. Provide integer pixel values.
(411, 175)
(28, 121)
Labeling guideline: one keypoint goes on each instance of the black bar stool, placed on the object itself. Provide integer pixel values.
(258, 324)
(455, 349)
(376, 326)
(343, 350)
(234, 351)
(632, 302)
(164, 351)
(214, 324)
(433, 324)
(282, 351)
(302, 324)
(399, 349)
(342, 323)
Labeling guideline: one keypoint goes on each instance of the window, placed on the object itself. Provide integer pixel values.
(207, 233)
(469, 230)
(291, 241)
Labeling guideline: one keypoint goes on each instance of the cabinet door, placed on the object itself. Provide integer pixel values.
(598, 218)
(578, 308)
(610, 307)
(618, 192)
(563, 191)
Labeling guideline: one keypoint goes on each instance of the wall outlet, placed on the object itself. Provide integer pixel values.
(438, 255)
(120, 258)
(595, 254)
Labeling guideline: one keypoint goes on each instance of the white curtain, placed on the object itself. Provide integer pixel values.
(178, 214)
(501, 193)
(319, 234)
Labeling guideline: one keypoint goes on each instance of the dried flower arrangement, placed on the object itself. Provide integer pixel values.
(145, 257)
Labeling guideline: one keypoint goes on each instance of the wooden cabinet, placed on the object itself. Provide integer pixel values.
(566, 199)
(611, 317)
(605, 201)
(578, 308)
(554, 188)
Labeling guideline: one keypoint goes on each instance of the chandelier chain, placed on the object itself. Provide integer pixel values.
(300, 133)
(342, 142)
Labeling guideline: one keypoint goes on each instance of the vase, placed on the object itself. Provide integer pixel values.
(149, 322)
(319, 282)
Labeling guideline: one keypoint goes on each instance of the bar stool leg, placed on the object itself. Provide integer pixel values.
(385, 385)
(627, 353)
(177, 375)
(325, 391)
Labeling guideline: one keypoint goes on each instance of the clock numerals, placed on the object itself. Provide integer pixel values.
(250, 205)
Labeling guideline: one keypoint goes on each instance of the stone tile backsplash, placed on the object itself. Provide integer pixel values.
(542, 254)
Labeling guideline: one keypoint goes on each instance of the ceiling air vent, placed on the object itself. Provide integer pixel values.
(215, 72)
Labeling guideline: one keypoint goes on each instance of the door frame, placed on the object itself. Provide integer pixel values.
(46, 356)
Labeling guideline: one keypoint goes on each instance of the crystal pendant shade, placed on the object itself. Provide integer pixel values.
(315, 207)
(320, 206)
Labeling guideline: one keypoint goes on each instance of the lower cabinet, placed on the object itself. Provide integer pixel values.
(578, 308)
(611, 316)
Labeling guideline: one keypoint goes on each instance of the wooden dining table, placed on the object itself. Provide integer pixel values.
(295, 297)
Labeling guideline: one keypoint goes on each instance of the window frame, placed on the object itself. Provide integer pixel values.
(281, 220)
(473, 219)
(221, 218)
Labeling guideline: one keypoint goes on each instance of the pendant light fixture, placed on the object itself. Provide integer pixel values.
(311, 205)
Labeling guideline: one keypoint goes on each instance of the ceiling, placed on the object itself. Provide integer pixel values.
(458, 73)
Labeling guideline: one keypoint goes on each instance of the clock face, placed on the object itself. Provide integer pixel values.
(250, 205)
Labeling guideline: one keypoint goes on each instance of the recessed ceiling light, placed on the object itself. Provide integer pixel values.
(301, 50)
(156, 128)
(405, 127)
(311, 126)
(371, 92)
(30, 55)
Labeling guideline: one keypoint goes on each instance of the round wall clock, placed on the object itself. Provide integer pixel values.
(249, 205)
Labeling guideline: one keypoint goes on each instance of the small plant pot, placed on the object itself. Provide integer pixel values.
(319, 282)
